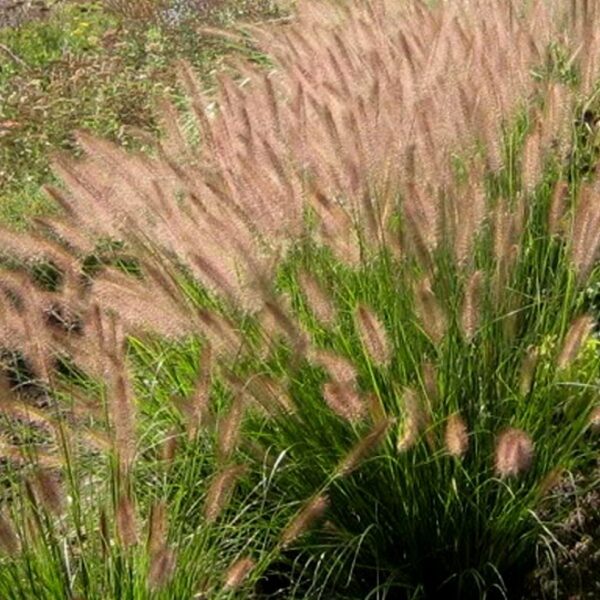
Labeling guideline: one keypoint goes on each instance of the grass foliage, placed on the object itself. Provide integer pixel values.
(341, 346)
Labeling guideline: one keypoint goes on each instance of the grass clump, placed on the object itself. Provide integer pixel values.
(383, 248)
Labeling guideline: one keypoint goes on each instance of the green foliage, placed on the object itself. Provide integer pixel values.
(84, 67)
(404, 448)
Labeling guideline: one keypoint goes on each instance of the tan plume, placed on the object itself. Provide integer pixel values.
(238, 573)
(414, 422)
(373, 335)
(126, 521)
(365, 446)
(220, 490)
(471, 308)
(575, 338)
(514, 453)
(312, 511)
(345, 400)
(456, 436)
(318, 300)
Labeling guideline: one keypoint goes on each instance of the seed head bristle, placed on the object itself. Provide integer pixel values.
(414, 421)
(557, 209)
(157, 533)
(340, 369)
(373, 335)
(550, 481)
(456, 436)
(122, 413)
(169, 447)
(9, 542)
(49, 491)
(220, 490)
(594, 419)
(585, 234)
(162, 567)
(532, 158)
(365, 446)
(199, 402)
(238, 573)
(318, 301)
(575, 338)
(271, 394)
(313, 510)
(471, 309)
(126, 522)
(528, 368)
(430, 383)
(430, 313)
(229, 429)
(376, 408)
(514, 453)
(345, 400)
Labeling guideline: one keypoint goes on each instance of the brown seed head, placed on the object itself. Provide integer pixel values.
(415, 420)
(514, 453)
(162, 566)
(456, 436)
(528, 368)
(575, 338)
(49, 492)
(126, 522)
(229, 429)
(344, 400)
(364, 447)
(238, 572)
(471, 308)
(340, 369)
(157, 534)
(318, 301)
(9, 542)
(373, 335)
(220, 490)
(429, 311)
(311, 512)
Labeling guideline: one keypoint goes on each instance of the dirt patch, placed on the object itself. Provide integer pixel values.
(16, 12)
(569, 570)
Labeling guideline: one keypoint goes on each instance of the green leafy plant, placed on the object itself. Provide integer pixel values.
(384, 245)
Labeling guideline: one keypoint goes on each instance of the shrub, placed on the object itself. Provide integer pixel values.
(385, 243)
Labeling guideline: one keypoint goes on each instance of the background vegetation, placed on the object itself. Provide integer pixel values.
(343, 347)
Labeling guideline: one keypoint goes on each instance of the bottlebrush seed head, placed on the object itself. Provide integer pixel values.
(514, 453)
